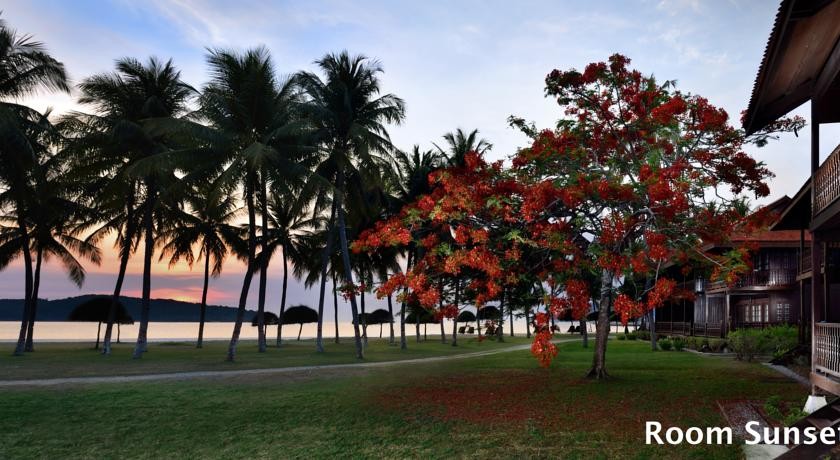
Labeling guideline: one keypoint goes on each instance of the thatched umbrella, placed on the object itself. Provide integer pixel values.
(379, 317)
(269, 319)
(465, 316)
(96, 309)
(299, 314)
(487, 312)
(424, 318)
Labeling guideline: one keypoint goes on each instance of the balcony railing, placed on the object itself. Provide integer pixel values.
(827, 182)
(758, 278)
(827, 348)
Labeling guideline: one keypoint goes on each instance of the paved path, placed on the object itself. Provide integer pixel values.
(274, 370)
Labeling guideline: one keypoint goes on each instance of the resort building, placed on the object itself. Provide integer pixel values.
(802, 64)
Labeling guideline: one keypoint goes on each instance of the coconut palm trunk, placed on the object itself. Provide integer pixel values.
(263, 199)
(403, 341)
(440, 305)
(335, 307)
(363, 319)
(246, 282)
(325, 259)
(33, 310)
(27, 301)
(203, 309)
(602, 329)
(391, 339)
(510, 319)
(283, 298)
(528, 321)
(500, 332)
(584, 332)
(98, 331)
(348, 272)
(125, 253)
(149, 243)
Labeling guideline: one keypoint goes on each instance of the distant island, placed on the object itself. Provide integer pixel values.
(160, 310)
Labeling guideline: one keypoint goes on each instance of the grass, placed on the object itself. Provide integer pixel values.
(499, 405)
(55, 360)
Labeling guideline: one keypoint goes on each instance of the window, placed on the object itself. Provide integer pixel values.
(783, 312)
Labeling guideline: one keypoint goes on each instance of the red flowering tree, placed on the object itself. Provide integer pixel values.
(635, 177)
(648, 174)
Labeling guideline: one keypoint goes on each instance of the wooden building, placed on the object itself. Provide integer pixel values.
(802, 64)
(768, 295)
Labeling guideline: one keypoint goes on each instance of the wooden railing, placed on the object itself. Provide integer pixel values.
(708, 330)
(673, 327)
(758, 278)
(827, 348)
(827, 182)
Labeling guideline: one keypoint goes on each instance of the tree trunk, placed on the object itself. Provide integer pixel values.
(348, 273)
(283, 298)
(364, 320)
(300, 329)
(125, 254)
(440, 306)
(266, 257)
(391, 339)
(33, 310)
(457, 309)
(380, 329)
(246, 283)
(403, 341)
(528, 322)
(27, 301)
(98, 330)
(584, 333)
(510, 317)
(477, 322)
(500, 332)
(202, 313)
(602, 329)
(325, 260)
(118, 332)
(335, 307)
(149, 247)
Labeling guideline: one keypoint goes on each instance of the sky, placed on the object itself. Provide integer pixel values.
(456, 63)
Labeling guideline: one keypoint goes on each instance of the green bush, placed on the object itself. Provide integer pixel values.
(716, 345)
(665, 344)
(747, 343)
(621, 337)
(773, 407)
(632, 336)
(643, 335)
(793, 416)
(679, 343)
(776, 340)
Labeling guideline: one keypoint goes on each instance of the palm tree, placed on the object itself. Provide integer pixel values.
(350, 115)
(256, 116)
(25, 68)
(139, 162)
(207, 225)
(460, 143)
(288, 231)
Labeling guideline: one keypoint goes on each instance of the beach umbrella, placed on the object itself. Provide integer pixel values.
(96, 310)
(269, 319)
(489, 312)
(423, 318)
(299, 314)
(379, 317)
(466, 316)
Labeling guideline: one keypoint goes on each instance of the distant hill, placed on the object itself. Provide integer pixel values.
(162, 310)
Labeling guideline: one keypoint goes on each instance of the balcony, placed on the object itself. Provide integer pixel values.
(827, 182)
(758, 279)
(805, 262)
(826, 351)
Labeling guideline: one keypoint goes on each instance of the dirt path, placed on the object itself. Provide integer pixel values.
(274, 370)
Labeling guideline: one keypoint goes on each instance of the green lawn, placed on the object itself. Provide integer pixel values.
(51, 360)
(500, 406)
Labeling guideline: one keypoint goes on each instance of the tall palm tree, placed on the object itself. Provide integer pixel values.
(25, 68)
(350, 115)
(288, 231)
(139, 162)
(460, 143)
(205, 224)
(255, 113)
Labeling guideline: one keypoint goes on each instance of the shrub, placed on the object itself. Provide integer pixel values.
(679, 343)
(747, 343)
(665, 344)
(793, 416)
(622, 337)
(773, 407)
(716, 345)
(632, 336)
(780, 339)
(643, 335)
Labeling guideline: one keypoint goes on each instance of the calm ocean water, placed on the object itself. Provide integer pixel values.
(61, 331)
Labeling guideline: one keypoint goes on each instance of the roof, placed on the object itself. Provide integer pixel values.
(805, 38)
(797, 214)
